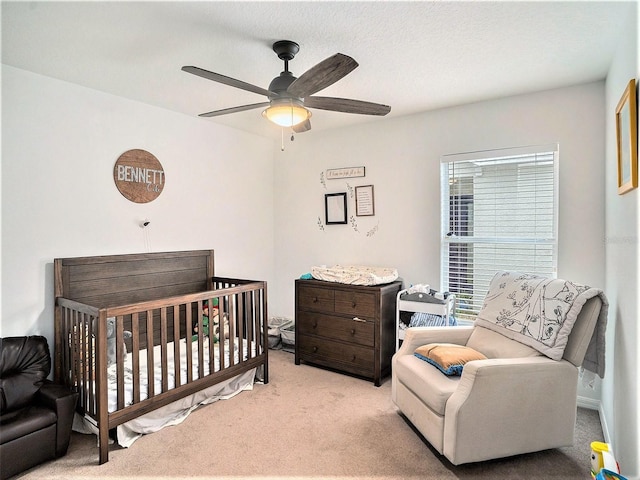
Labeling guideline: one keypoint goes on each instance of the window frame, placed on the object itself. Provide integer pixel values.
(466, 310)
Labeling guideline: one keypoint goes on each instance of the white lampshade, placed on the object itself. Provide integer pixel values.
(287, 113)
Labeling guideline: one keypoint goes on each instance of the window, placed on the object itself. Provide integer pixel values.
(499, 212)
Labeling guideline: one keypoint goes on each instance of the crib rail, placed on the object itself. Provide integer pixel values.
(161, 349)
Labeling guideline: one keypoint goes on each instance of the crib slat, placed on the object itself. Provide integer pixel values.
(78, 352)
(217, 350)
(249, 324)
(135, 356)
(258, 316)
(89, 322)
(212, 334)
(244, 326)
(66, 342)
(251, 339)
(188, 321)
(223, 306)
(102, 385)
(69, 365)
(176, 345)
(237, 333)
(119, 361)
(150, 377)
(81, 359)
(200, 342)
(163, 350)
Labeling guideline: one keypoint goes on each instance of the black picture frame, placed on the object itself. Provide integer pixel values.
(335, 208)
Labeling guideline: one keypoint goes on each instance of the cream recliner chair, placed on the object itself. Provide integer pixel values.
(516, 401)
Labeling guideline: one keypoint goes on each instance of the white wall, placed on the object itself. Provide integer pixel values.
(620, 389)
(59, 145)
(401, 157)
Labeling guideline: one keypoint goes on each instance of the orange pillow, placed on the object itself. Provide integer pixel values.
(449, 358)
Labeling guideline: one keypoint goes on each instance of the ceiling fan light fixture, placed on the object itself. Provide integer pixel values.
(286, 114)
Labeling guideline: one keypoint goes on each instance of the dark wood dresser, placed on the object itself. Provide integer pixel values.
(346, 327)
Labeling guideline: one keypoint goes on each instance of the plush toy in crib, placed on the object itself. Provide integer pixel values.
(111, 341)
(215, 322)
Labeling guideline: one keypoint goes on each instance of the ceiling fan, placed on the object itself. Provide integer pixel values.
(290, 97)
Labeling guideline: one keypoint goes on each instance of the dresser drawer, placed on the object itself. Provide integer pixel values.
(356, 304)
(317, 299)
(351, 358)
(338, 328)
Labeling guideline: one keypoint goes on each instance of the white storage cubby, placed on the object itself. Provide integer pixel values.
(445, 310)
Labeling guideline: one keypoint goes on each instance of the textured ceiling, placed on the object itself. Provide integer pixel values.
(413, 56)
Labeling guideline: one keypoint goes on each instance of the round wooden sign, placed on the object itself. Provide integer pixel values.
(139, 176)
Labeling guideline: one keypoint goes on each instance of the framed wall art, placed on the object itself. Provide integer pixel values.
(627, 139)
(346, 172)
(364, 201)
(335, 207)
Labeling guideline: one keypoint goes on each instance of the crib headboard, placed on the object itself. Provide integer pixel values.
(108, 281)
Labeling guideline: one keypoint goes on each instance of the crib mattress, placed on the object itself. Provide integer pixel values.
(175, 412)
(355, 274)
(144, 380)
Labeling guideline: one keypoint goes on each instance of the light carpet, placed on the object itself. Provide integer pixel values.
(306, 423)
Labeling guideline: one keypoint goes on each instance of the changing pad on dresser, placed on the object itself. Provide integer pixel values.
(355, 274)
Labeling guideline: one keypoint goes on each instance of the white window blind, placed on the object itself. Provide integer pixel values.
(499, 212)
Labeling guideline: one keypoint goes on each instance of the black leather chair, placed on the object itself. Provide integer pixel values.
(35, 414)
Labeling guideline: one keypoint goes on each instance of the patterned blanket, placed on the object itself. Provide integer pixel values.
(540, 312)
(355, 274)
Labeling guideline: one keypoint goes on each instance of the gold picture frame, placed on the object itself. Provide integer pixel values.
(627, 139)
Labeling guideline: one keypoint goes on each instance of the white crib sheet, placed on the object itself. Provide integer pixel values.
(128, 368)
(177, 411)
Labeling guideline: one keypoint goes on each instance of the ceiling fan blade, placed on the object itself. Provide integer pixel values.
(216, 77)
(241, 108)
(347, 105)
(302, 127)
(325, 73)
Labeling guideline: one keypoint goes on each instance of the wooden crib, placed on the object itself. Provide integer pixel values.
(131, 333)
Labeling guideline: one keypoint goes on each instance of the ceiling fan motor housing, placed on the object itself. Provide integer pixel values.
(279, 86)
(286, 50)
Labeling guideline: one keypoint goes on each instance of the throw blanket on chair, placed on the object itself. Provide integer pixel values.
(540, 312)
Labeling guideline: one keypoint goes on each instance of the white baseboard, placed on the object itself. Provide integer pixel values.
(589, 403)
(605, 428)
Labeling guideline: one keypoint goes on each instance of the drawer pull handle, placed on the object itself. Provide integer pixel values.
(353, 331)
(315, 349)
(315, 299)
(356, 319)
(353, 304)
